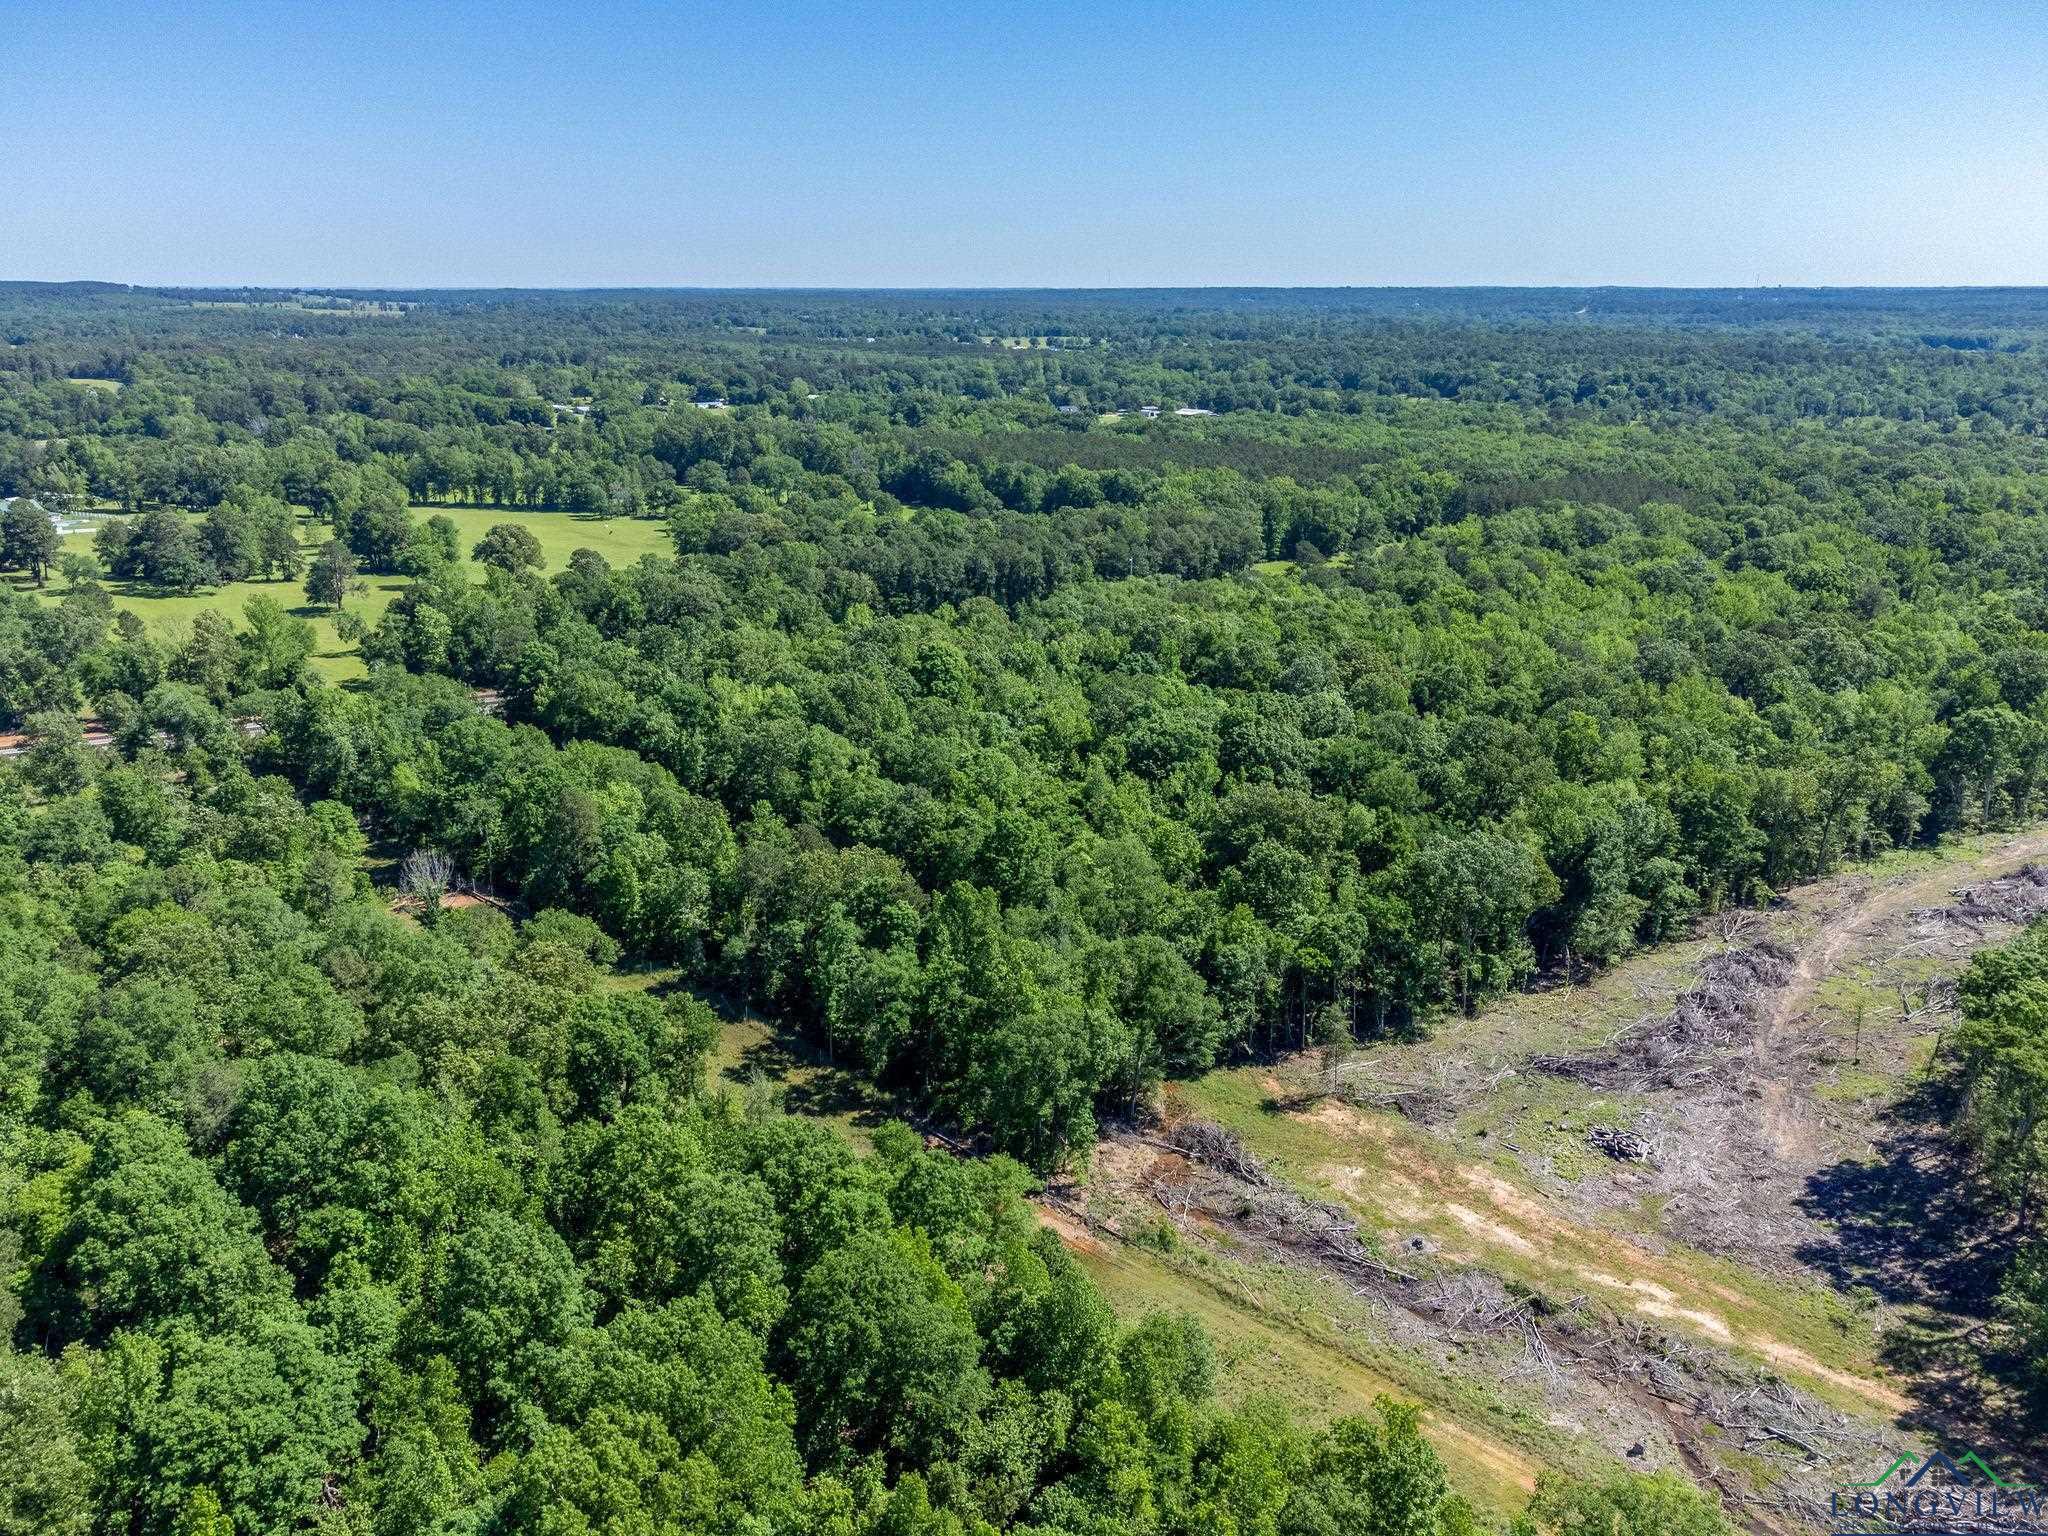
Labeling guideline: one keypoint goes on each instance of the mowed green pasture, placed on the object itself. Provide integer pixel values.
(621, 540)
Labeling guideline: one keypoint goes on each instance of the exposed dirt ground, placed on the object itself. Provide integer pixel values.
(1671, 1216)
(1865, 915)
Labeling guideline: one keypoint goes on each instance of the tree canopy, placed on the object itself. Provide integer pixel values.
(1020, 748)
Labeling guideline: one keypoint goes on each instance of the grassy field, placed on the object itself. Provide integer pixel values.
(1288, 1337)
(620, 540)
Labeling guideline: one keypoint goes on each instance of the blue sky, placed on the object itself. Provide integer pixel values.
(1004, 144)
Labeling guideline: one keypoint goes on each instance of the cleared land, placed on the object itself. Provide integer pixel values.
(1749, 1302)
(1752, 1298)
(620, 540)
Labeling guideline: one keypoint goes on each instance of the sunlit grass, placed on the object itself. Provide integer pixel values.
(621, 540)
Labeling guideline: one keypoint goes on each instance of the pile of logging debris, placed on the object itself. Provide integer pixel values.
(1623, 1146)
(1713, 1018)
(2016, 899)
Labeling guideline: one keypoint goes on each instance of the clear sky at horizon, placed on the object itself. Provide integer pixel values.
(1011, 144)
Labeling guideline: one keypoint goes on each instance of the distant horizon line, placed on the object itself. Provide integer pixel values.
(1002, 288)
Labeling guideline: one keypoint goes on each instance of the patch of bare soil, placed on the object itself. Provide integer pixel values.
(1070, 1230)
(1731, 1123)
(1506, 1464)
(1631, 1276)
(1629, 1361)
(455, 899)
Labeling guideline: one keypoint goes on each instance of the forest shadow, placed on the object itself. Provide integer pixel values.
(1910, 1225)
(1912, 1228)
(810, 1085)
(428, 508)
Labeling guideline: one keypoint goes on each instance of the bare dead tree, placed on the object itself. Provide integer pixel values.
(1733, 925)
(1203, 1141)
(425, 875)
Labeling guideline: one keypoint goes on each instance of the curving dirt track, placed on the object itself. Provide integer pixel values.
(1748, 1301)
(1858, 916)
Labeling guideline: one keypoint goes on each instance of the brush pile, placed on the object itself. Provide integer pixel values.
(2015, 899)
(1622, 1146)
(1715, 1017)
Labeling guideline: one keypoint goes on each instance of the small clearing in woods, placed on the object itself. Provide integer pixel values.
(1639, 1219)
(621, 540)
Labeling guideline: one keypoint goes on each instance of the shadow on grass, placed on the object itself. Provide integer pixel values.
(809, 1085)
(1914, 1227)
(513, 514)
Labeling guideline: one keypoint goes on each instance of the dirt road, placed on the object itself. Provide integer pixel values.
(1847, 918)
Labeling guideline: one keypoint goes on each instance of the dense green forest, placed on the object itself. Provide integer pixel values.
(1998, 1072)
(1019, 748)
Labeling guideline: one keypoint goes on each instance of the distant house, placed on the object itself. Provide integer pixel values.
(1148, 410)
(1069, 410)
(65, 522)
(1192, 410)
(709, 405)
